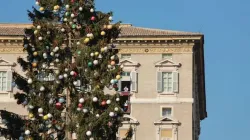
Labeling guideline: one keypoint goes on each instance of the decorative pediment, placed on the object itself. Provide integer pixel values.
(6, 63)
(129, 63)
(166, 121)
(127, 119)
(167, 63)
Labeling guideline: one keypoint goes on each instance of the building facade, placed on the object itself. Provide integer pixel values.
(163, 80)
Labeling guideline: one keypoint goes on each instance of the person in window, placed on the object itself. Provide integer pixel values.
(125, 89)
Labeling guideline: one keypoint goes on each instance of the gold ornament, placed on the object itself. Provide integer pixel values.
(103, 33)
(34, 64)
(35, 53)
(56, 7)
(35, 32)
(45, 117)
(86, 40)
(41, 9)
(118, 77)
(96, 53)
(102, 49)
(110, 26)
(31, 115)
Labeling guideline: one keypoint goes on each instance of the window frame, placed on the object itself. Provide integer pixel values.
(4, 71)
(172, 111)
(172, 83)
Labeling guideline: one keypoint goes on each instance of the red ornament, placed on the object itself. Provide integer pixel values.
(72, 1)
(80, 105)
(75, 74)
(92, 18)
(115, 86)
(103, 103)
(58, 105)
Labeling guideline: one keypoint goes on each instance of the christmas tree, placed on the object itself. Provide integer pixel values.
(71, 62)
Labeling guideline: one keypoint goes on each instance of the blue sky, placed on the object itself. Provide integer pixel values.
(225, 24)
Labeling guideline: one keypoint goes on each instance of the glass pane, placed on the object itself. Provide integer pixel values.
(166, 112)
(167, 56)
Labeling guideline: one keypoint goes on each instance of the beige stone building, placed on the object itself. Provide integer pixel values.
(163, 80)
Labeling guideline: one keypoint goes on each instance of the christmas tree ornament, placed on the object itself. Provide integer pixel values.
(44, 65)
(86, 40)
(91, 54)
(37, 3)
(92, 10)
(109, 66)
(100, 56)
(45, 117)
(85, 110)
(110, 18)
(75, 20)
(40, 38)
(67, 14)
(95, 62)
(31, 115)
(67, 7)
(79, 53)
(80, 105)
(66, 69)
(111, 114)
(81, 100)
(45, 55)
(118, 77)
(38, 27)
(56, 49)
(78, 26)
(57, 71)
(40, 110)
(57, 60)
(34, 64)
(92, 18)
(116, 108)
(112, 57)
(97, 115)
(48, 32)
(78, 43)
(112, 81)
(35, 32)
(63, 30)
(75, 83)
(103, 103)
(49, 115)
(21, 138)
(52, 53)
(80, 8)
(72, 15)
(60, 77)
(112, 63)
(103, 33)
(65, 19)
(30, 81)
(51, 101)
(102, 50)
(31, 107)
(61, 100)
(42, 88)
(105, 49)
(65, 75)
(108, 102)
(27, 132)
(109, 26)
(78, 109)
(72, 73)
(117, 99)
(41, 9)
(96, 53)
(58, 105)
(95, 99)
(90, 64)
(88, 133)
(73, 26)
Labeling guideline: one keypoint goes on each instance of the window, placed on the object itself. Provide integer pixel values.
(166, 134)
(125, 56)
(128, 82)
(3, 80)
(167, 82)
(125, 73)
(166, 112)
(167, 56)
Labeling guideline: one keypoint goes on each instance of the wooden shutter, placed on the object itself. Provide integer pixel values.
(159, 81)
(119, 85)
(175, 81)
(133, 81)
(9, 80)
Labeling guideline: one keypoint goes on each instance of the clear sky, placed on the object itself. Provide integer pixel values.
(225, 24)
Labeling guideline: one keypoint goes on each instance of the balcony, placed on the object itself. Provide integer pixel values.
(125, 96)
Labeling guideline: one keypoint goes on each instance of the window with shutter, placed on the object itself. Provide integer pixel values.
(175, 81)
(134, 81)
(9, 80)
(3, 80)
(167, 82)
(159, 81)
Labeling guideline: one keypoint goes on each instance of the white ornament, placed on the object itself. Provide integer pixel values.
(57, 60)
(63, 30)
(117, 99)
(85, 110)
(95, 62)
(112, 57)
(44, 65)
(80, 9)
(67, 6)
(88, 133)
(121, 66)
(66, 69)
(97, 115)
(49, 115)
(72, 15)
(78, 109)
(56, 55)
(45, 55)
(70, 22)
(78, 43)
(109, 66)
(116, 108)
(81, 100)
(92, 10)
(75, 20)
(30, 81)
(40, 110)
(75, 83)
(72, 73)
(65, 75)
(65, 19)
(112, 81)
(57, 71)
(51, 101)
(42, 88)
(37, 3)
(58, 82)
(91, 138)
(31, 107)
(95, 99)
(40, 38)
(27, 132)
(108, 102)
(60, 76)
(52, 54)
(111, 114)
(110, 18)
(105, 49)
(48, 32)
(56, 49)
(92, 54)
(38, 27)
